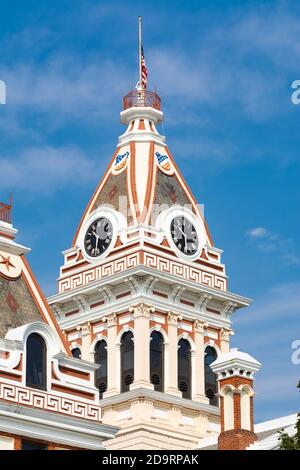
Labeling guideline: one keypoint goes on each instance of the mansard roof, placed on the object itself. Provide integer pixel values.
(21, 299)
(142, 174)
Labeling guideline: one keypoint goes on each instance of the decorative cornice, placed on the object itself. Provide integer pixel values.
(203, 301)
(107, 293)
(85, 329)
(199, 326)
(173, 318)
(229, 308)
(58, 311)
(55, 427)
(110, 320)
(81, 303)
(176, 402)
(141, 310)
(176, 293)
(225, 334)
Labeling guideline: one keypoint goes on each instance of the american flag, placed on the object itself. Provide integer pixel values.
(144, 70)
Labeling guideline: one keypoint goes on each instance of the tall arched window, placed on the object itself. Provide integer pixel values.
(36, 358)
(101, 373)
(184, 368)
(210, 378)
(157, 360)
(127, 361)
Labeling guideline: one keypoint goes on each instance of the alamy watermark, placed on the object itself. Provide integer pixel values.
(295, 357)
(295, 98)
(2, 92)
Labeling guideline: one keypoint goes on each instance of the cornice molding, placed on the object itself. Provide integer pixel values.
(141, 310)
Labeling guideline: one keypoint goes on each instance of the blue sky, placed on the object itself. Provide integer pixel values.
(224, 70)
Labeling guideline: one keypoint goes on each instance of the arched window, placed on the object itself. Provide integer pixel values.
(127, 361)
(36, 357)
(210, 378)
(184, 368)
(101, 373)
(157, 361)
(76, 353)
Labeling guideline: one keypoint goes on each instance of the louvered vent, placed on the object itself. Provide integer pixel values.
(155, 379)
(183, 387)
(210, 393)
(128, 379)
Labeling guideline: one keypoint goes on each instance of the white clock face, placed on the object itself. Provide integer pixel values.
(184, 235)
(98, 237)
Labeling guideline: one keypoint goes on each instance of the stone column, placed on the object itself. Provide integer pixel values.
(86, 339)
(113, 371)
(198, 374)
(225, 340)
(171, 369)
(141, 315)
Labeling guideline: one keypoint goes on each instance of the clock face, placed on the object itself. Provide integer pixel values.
(184, 235)
(98, 237)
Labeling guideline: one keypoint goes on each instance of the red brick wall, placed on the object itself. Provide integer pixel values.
(235, 439)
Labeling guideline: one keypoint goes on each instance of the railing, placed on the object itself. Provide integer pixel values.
(141, 98)
(5, 212)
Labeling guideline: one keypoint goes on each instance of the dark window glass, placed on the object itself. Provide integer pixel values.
(30, 445)
(36, 354)
(127, 361)
(210, 378)
(184, 368)
(101, 373)
(157, 361)
(76, 353)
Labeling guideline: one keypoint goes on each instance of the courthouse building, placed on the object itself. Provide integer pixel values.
(133, 351)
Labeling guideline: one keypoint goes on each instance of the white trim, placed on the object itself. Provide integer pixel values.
(96, 340)
(117, 220)
(214, 345)
(51, 341)
(74, 345)
(60, 433)
(124, 329)
(164, 220)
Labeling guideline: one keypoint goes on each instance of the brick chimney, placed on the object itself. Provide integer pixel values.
(235, 376)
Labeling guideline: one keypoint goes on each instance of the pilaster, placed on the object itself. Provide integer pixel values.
(171, 367)
(225, 340)
(86, 339)
(141, 315)
(199, 374)
(112, 353)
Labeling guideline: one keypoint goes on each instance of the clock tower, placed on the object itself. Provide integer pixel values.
(144, 293)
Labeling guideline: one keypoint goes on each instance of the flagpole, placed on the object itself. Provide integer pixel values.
(140, 51)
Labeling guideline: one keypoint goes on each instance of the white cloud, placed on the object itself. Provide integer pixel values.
(280, 302)
(267, 241)
(267, 330)
(69, 86)
(258, 232)
(46, 169)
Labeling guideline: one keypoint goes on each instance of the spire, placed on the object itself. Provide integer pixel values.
(143, 72)
(141, 103)
(140, 54)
